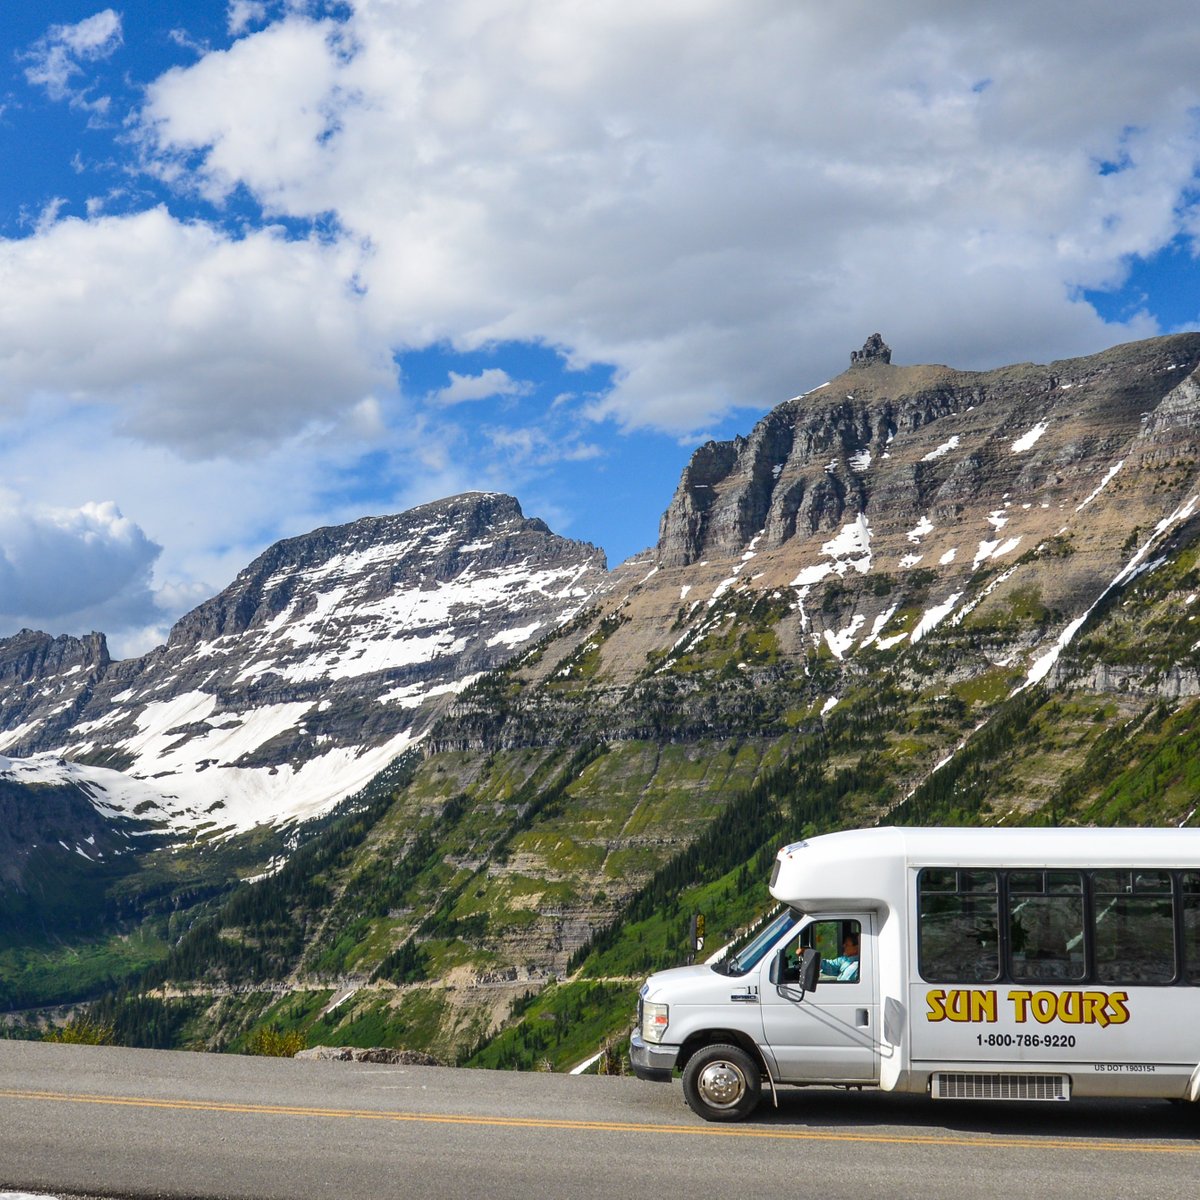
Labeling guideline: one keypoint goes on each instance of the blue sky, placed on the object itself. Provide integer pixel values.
(271, 265)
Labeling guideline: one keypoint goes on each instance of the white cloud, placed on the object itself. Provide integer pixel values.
(709, 197)
(80, 567)
(529, 445)
(210, 516)
(55, 59)
(720, 201)
(241, 14)
(488, 383)
(198, 340)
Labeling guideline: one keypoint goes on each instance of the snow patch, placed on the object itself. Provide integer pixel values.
(850, 549)
(731, 579)
(934, 617)
(514, 637)
(919, 530)
(1101, 485)
(839, 643)
(1027, 440)
(1042, 665)
(944, 448)
(995, 549)
(877, 628)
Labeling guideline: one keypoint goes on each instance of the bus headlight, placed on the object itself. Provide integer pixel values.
(654, 1021)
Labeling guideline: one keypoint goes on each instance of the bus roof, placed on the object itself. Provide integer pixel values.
(868, 867)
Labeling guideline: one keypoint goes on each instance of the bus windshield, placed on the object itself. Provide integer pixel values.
(746, 957)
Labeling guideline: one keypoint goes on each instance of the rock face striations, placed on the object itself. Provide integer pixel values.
(932, 463)
(321, 661)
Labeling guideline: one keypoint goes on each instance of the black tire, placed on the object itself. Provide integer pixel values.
(722, 1083)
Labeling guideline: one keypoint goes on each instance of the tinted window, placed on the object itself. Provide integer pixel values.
(1045, 926)
(958, 923)
(1191, 925)
(1114, 926)
(1135, 940)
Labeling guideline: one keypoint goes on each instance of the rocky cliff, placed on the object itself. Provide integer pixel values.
(903, 446)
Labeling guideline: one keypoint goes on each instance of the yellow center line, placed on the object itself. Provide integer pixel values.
(738, 1131)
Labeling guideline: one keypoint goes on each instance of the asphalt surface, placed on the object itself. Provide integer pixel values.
(112, 1123)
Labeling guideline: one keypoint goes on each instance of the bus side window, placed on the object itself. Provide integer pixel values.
(838, 943)
(1191, 925)
(958, 926)
(1134, 926)
(1045, 926)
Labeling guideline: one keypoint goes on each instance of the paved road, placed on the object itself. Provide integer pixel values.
(103, 1122)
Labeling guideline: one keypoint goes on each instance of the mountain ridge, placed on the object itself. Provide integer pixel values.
(340, 642)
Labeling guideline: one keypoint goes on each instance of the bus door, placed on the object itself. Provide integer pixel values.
(831, 1032)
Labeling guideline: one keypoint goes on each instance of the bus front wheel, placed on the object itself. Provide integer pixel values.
(722, 1083)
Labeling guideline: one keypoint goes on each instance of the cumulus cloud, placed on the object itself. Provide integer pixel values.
(81, 567)
(488, 383)
(211, 517)
(524, 447)
(57, 58)
(241, 14)
(705, 196)
(199, 340)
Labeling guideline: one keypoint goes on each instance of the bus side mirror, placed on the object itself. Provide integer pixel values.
(810, 970)
(804, 975)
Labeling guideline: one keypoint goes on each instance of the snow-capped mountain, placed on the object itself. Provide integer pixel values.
(325, 658)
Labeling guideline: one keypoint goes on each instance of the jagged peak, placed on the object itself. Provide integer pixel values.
(32, 654)
(875, 350)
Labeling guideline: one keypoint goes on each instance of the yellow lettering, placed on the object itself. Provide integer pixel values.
(958, 1005)
(1070, 1007)
(1120, 1013)
(983, 1006)
(1045, 1005)
(1020, 1002)
(1095, 1005)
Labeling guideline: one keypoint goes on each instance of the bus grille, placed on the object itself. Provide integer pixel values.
(955, 1086)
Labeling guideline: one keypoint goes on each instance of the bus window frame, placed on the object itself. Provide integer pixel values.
(1185, 973)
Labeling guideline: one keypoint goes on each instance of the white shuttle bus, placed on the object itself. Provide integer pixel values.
(990, 964)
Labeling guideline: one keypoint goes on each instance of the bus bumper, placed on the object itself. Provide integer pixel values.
(652, 1063)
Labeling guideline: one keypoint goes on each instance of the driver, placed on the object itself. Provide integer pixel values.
(844, 968)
